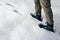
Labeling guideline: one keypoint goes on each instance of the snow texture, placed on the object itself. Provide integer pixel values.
(17, 24)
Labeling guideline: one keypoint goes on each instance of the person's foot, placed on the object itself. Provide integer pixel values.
(47, 27)
(38, 17)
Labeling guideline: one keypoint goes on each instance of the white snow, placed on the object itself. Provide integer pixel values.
(17, 24)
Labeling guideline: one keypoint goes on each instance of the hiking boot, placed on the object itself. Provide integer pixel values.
(38, 17)
(47, 27)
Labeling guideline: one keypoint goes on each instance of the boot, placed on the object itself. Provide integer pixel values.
(47, 27)
(37, 16)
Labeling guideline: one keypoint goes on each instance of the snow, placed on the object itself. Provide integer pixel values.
(17, 24)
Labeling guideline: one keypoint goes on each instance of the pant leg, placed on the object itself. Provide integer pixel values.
(37, 7)
(46, 5)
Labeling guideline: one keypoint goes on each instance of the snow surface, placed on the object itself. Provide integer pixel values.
(17, 24)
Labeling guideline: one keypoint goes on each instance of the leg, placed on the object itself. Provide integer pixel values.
(38, 10)
(37, 7)
(46, 5)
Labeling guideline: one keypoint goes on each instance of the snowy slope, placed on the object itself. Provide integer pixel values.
(17, 24)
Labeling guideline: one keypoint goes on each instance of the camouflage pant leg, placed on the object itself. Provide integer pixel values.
(37, 6)
(46, 5)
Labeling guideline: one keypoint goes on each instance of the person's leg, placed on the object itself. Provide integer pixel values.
(46, 5)
(37, 7)
(37, 10)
